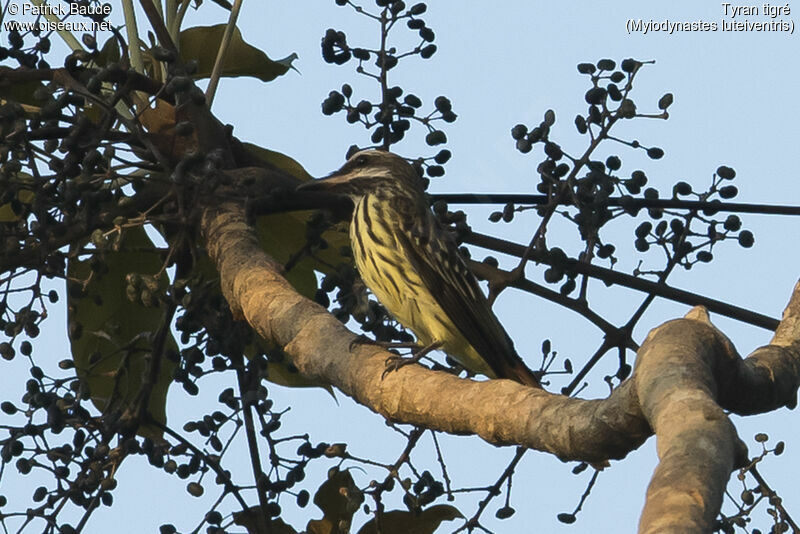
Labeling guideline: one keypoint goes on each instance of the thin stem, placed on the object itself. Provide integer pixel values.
(598, 354)
(229, 486)
(66, 35)
(628, 202)
(384, 80)
(216, 72)
(494, 490)
(633, 282)
(487, 272)
(162, 34)
(252, 442)
(447, 486)
(778, 504)
(134, 47)
(178, 22)
(169, 15)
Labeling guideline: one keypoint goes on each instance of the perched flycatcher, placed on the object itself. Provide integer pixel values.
(412, 265)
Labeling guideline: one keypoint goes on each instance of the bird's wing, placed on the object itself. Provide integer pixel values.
(434, 256)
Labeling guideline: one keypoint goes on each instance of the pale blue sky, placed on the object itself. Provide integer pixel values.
(500, 64)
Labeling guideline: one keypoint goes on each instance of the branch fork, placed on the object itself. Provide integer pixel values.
(687, 375)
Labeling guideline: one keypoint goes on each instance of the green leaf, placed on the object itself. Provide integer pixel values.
(282, 161)
(111, 335)
(283, 235)
(405, 522)
(248, 519)
(7, 212)
(109, 52)
(280, 369)
(338, 498)
(21, 93)
(201, 44)
(25, 195)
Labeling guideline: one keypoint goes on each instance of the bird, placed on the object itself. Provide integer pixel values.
(412, 265)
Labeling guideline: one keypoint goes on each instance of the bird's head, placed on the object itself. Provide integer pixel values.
(370, 172)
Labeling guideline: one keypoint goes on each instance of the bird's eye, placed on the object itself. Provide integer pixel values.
(361, 160)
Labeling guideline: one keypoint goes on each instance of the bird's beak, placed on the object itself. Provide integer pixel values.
(329, 184)
(328, 193)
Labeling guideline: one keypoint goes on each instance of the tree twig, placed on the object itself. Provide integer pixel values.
(219, 63)
(634, 203)
(633, 282)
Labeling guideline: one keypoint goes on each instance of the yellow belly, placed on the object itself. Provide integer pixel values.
(391, 278)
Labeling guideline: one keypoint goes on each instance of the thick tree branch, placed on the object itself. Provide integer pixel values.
(687, 373)
(696, 442)
(500, 411)
(770, 375)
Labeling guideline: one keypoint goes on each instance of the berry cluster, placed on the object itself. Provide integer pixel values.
(389, 116)
(595, 192)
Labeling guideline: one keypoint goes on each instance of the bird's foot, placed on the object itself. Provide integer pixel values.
(361, 339)
(393, 363)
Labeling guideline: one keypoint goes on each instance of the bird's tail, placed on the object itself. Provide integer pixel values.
(523, 375)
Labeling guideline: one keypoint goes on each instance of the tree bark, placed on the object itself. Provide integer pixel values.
(687, 373)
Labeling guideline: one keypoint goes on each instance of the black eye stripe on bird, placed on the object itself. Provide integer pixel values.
(412, 265)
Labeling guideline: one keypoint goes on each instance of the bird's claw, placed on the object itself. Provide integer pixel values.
(395, 362)
(362, 339)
